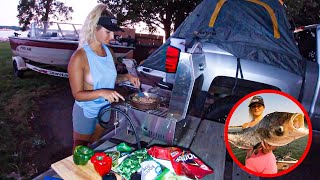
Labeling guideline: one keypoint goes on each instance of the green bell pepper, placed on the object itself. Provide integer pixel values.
(82, 155)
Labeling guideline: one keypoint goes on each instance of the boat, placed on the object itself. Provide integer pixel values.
(284, 162)
(48, 48)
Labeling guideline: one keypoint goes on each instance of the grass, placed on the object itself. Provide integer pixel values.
(18, 109)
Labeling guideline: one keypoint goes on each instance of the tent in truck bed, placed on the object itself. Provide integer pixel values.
(256, 30)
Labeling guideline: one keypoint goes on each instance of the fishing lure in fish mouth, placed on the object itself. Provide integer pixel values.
(276, 129)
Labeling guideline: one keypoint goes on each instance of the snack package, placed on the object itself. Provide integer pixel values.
(183, 162)
(122, 147)
(150, 169)
(118, 153)
(131, 163)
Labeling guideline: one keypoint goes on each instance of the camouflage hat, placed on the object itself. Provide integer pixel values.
(256, 99)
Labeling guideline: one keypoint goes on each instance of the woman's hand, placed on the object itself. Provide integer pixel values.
(134, 80)
(111, 95)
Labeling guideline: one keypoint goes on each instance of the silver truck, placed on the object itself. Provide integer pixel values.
(209, 81)
(218, 68)
(223, 51)
(261, 58)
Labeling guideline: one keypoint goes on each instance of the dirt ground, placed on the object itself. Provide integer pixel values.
(54, 124)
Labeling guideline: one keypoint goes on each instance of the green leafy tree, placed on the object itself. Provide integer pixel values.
(42, 10)
(164, 14)
(169, 14)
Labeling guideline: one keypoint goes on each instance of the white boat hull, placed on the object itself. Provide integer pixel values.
(52, 52)
(50, 56)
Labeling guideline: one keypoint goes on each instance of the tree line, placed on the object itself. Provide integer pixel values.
(164, 14)
(16, 28)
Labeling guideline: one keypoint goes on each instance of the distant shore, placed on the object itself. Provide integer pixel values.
(5, 29)
(6, 33)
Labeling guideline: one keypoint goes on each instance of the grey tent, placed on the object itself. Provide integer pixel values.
(257, 30)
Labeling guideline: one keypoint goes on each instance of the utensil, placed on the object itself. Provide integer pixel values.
(140, 93)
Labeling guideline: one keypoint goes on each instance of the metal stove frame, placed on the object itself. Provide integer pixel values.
(167, 124)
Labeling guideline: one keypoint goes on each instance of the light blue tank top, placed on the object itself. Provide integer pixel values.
(104, 76)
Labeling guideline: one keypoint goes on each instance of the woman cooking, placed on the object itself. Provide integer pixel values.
(92, 75)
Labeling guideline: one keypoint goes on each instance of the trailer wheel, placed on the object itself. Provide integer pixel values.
(219, 110)
(16, 71)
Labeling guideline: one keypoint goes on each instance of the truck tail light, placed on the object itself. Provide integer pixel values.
(172, 59)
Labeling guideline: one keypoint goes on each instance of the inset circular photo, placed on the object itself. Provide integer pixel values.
(268, 133)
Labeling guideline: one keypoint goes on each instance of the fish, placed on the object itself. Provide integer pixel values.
(276, 129)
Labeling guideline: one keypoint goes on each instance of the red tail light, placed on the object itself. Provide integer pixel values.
(172, 59)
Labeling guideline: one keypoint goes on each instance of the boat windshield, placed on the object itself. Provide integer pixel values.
(55, 30)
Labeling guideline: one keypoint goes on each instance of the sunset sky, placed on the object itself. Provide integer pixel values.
(8, 11)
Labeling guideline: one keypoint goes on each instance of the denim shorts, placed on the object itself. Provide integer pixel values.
(84, 125)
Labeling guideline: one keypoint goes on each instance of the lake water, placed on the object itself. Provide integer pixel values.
(4, 34)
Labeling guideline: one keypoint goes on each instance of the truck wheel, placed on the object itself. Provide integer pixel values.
(16, 71)
(219, 110)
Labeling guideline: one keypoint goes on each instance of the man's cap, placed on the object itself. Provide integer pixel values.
(110, 23)
(256, 99)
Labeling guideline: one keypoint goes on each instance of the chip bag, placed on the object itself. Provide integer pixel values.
(183, 162)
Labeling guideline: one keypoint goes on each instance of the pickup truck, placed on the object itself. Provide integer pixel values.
(223, 78)
(206, 82)
(258, 76)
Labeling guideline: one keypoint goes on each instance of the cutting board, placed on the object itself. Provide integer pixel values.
(66, 169)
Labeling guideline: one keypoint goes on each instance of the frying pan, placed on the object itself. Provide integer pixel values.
(146, 106)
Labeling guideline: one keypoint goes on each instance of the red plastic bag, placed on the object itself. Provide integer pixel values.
(183, 162)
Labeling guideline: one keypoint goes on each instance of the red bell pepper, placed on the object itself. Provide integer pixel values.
(102, 163)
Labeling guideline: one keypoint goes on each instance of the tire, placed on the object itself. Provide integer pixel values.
(219, 110)
(16, 72)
